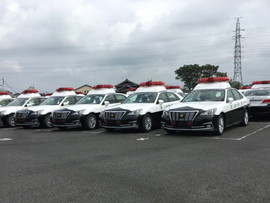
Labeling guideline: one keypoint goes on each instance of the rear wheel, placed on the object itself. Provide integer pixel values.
(245, 119)
(46, 121)
(10, 121)
(147, 123)
(219, 125)
(90, 122)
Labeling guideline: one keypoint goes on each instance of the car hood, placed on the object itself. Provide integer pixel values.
(196, 105)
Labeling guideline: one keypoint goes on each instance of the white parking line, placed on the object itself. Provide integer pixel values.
(5, 139)
(254, 132)
(97, 132)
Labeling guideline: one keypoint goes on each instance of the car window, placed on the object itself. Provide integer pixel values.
(236, 94)
(172, 97)
(69, 101)
(230, 95)
(110, 98)
(163, 96)
(120, 98)
(33, 102)
(257, 93)
(142, 97)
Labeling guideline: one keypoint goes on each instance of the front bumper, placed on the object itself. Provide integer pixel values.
(127, 122)
(200, 123)
(74, 121)
(29, 120)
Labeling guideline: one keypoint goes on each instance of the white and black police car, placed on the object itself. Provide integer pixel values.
(85, 112)
(5, 98)
(141, 110)
(39, 116)
(259, 96)
(211, 106)
(27, 98)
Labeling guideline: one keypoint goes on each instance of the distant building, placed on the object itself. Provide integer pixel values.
(85, 89)
(125, 85)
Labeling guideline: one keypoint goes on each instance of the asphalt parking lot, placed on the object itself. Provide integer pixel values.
(49, 165)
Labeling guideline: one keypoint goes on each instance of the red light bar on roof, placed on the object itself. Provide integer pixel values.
(62, 89)
(172, 87)
(261, 82)
(152, 83)
(4, 93)
(131, 89)
(266, 101)
(244, 87)
(79, 92)
(48, 94)
(213, 79)
(29, 91)
(102, 86)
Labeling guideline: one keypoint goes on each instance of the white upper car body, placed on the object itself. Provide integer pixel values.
(211, 106)
(85, 113)
(259, 96)
(141, 110)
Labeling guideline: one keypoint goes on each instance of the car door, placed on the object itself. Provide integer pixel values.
(230, 109)
(239, 107)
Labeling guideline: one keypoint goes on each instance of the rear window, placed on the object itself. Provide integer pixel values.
(257, 93)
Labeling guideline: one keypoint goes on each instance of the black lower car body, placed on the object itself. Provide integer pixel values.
(66, 118)
(259, 110)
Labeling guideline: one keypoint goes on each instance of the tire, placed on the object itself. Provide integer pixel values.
(170, 131)
(46, 121)
(245, 119)
(147, 123)
(219, 125)
(10, 120)
(90, 122)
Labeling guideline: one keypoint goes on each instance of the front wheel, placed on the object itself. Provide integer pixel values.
(10, 120)
(147, 123)
(90, 122)
(46, 121)
(219, 125)
(245, 119)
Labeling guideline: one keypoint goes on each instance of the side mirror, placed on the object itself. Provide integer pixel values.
(106, 103)
(230, 100)
(160, 101)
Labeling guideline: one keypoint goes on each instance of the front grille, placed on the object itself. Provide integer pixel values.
(114, 115)
(22, 114)
(183, 115)
(60, 114)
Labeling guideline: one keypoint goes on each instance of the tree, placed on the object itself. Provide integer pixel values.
(235, 84)
(189, 74)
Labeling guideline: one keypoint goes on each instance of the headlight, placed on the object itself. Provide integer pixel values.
(78, 113)
(165, 113)
(210, 112)
(37, 113)
(101, 115)
(3, 112)
(135, 112)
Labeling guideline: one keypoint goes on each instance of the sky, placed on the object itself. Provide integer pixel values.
(69, 43)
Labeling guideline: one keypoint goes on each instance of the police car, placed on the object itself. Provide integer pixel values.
(211, 106)
(259, 96)
(40, 115)
(176, 89)
(243, 89)
(141, 110)
(27, 98)
(85, 113)
(5, 98)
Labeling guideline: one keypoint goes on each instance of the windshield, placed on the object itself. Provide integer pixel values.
(144, 97)
(257, 93)
(18, 102)
(205, 95)
(4, 102)
(91, 99)
(53, 101)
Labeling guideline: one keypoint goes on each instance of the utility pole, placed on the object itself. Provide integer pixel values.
(237, 77)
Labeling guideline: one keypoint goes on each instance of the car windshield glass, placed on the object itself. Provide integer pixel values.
(205, 95)
(91, 99)
(53, 101)
(18, 102)
(257, 93)
(144, 97)
(4, 102)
